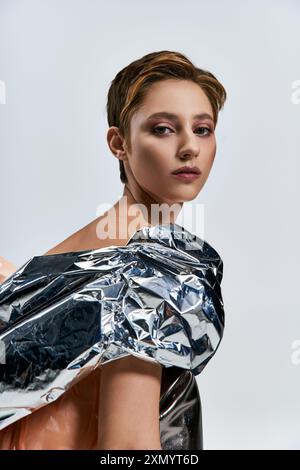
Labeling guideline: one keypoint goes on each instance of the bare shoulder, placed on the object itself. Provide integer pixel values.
(83, 239)
(92, 235)
(6, 268)
(129, 404)
(72, 243)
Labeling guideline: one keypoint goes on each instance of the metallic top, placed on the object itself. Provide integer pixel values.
(64, 315)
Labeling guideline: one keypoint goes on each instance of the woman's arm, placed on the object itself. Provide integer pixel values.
(6, 268)
(129, 404)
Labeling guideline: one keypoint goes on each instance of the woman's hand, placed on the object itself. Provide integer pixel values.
(6, 268)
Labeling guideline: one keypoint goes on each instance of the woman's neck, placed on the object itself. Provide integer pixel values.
(148, 210)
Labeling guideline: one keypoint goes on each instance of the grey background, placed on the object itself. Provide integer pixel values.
(57, 59)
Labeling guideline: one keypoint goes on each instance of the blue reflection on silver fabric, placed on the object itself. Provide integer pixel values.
(157, 298)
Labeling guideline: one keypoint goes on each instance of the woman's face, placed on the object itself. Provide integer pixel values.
(160, 145)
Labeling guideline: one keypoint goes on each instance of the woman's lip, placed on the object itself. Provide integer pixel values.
(186, 176)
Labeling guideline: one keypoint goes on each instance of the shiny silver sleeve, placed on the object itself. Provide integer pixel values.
(157, 298)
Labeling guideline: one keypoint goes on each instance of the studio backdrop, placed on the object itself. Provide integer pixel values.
(57, 59)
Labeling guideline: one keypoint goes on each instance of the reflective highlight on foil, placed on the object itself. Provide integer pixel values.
(157, 298)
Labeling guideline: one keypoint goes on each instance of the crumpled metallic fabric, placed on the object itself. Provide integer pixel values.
(158, 298)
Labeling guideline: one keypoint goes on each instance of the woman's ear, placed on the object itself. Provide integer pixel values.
(116, 143)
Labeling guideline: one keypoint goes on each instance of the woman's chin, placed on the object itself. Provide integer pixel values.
(183, 195)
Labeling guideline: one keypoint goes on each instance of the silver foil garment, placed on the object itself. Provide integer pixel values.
(157, 298)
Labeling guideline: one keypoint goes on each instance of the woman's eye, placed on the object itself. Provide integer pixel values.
(155, 130)
(208, 131)
(160, 127)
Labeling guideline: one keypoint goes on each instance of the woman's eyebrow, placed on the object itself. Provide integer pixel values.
(174, 117)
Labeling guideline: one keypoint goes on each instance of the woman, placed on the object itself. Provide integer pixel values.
(162, 112)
